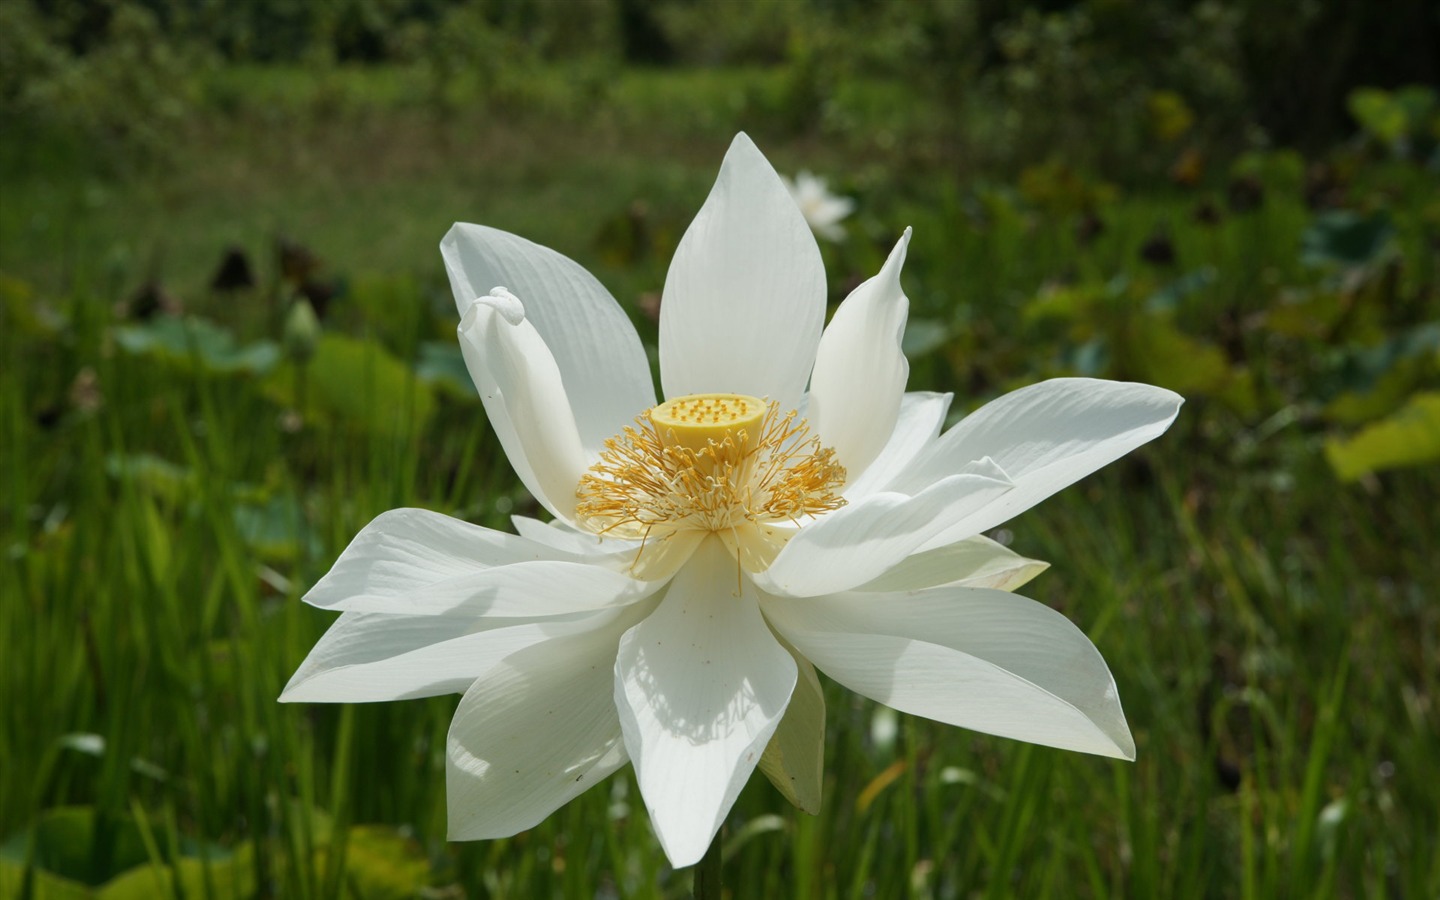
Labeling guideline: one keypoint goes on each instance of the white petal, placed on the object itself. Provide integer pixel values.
(525, 399)
(794, 760)
(974, 562)
(560, 536)
(860, 370)
(401, 551)
(603, 367)
(367, 657)
(833, 208)
(700, 685)
(982, 659)
(1046, 437)
(921, 417)
(519, 590)
(538, 730)
(744, 298)
(418, 563)
(652, 559)
(863, 540)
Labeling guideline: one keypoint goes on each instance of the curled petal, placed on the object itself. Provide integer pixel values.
(981, 659)
(744, 299)
(700, 685)
(525, 399)
(596, 350)
(860, 370)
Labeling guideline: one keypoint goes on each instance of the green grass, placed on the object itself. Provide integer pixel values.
(1273, 632)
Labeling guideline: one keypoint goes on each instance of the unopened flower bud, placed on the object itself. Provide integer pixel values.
(302, 332)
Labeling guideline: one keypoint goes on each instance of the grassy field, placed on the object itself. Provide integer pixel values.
(172, 486)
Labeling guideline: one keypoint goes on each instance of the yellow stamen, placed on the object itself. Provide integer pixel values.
(708, 462)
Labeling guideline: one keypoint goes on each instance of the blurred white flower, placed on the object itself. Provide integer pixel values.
(707, 554)
(823, 210)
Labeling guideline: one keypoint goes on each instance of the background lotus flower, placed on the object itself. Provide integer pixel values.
(675, 610)
(822, 209)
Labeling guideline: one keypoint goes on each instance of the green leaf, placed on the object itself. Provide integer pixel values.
(442, 366)
(1409, 437)
(356, 383)
(153, 475)
(1306, 314)
(1157, 352)
(1170, 116)
(74, 842)
(232, 878)
(1378, 113)
(923, 337)
(43, 885)
(1167, 299)
(276, 530)
(382, 864)
(1345, 238)
(1063, 304)
(1281, 171)
(1377, 380)
(194, 344)
(21, 313)
(393, 305)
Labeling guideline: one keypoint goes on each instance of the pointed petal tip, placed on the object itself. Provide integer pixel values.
(1126, 745)
(687, 859)
(1121, 744)
(295, 692)
(450, 235)
(1124, 750)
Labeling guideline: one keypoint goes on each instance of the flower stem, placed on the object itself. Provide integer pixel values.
(706, 885)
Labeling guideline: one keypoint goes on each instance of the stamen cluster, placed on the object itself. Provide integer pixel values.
(647, 484)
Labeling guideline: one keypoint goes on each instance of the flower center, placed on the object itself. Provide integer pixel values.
(708, 463)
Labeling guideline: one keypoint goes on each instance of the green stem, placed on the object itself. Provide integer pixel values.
(706, 885)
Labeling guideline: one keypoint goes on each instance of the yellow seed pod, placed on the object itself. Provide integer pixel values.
(696, 420)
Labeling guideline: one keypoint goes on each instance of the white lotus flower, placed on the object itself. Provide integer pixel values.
(822, 209)
(709, 553)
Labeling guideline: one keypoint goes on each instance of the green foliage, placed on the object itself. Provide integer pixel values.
(134, 90)
(71, 854)
(357, 384)
(1408, 437)
(1105, 80)
(173, 486)
(197, 346)
(1127, 330)
(1346, 238)
(1405, 122)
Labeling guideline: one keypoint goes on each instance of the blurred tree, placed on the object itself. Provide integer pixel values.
(1013, 76)
(1302, 57)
